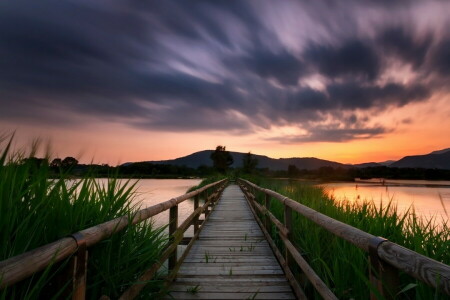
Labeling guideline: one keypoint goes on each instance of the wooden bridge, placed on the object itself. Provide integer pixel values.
(231, 259)
(232, 254)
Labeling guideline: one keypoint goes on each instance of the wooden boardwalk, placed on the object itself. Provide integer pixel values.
(231, 259)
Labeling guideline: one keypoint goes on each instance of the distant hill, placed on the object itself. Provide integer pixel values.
(440, 151)
(367, 165)
(434, 160)
(386, 163)
(197, 159)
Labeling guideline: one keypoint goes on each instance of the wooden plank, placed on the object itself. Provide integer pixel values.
(219, 287)
(280, 279)
(220, 295)
(231, 258)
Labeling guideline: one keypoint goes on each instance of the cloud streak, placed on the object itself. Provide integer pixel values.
(218, 66)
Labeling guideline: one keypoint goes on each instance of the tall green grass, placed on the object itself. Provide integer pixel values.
(206, 181)
(36, 210)
(342, 265)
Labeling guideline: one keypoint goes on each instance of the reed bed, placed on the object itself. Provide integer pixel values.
(36, 210)
(343, 266)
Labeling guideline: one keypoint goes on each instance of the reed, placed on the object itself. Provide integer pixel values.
(36, 210)
(344, 267)
(207, 181)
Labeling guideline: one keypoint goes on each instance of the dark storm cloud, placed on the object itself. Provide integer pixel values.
(404, 45)
(353, 58)
(330, 134)
(350, 96)
(353, 95)
(221, 65)
(281, 66)
(441, 57)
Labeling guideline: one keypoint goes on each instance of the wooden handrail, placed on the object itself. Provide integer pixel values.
(135, 289)
(423, 268)
(290, 253)
(19, 267)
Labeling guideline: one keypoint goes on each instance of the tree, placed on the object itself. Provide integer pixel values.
(293, 171)
(221, 158)
(69, 162)
(35, 162)
(249, 163)
(56, 163)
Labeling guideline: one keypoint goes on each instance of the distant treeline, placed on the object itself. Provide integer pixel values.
(71, 166)
(141, 170)
(345, 174)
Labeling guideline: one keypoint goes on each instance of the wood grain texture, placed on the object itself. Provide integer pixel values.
(231, 258)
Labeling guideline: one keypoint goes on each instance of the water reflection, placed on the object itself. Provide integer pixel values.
(428, 201)
(153, 191)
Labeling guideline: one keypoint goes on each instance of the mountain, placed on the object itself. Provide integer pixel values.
(440, 151)
(197, 159)
(386, 163)
(367, 165)
(435, 160)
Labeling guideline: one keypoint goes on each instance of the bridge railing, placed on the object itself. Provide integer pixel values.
(386, 258)
(25, 265)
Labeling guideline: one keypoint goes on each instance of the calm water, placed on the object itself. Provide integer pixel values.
(427, 199)
(154, 191)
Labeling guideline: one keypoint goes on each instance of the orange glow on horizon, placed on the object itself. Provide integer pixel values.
(114, 143)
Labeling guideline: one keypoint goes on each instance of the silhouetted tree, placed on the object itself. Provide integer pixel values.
(293, 171)
(249, 163)
(221, 158)
(35, 162)
(56, 163)
(69, 162)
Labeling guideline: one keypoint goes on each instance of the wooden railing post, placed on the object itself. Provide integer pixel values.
(267, 223)
(196, 218)
(383, 277)
(288, 225)
(78, 268)
(173, 225)
(206, 200)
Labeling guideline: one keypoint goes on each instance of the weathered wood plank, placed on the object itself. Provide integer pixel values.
(221, 295)
(231, 259)
(219, 287)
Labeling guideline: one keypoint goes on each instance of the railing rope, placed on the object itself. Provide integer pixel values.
(386, 257)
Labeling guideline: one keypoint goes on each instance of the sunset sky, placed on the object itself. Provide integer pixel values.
(116, 81)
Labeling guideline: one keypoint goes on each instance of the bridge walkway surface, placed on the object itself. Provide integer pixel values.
(231, 259)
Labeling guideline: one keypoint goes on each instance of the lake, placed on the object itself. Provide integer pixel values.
(153, 191)
(429, 198)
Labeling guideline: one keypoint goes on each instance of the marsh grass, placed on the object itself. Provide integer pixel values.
(36, 210)
(207, 181)
(343, 266)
